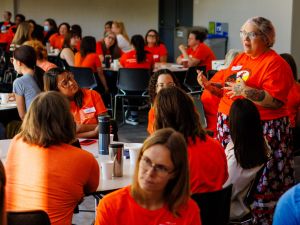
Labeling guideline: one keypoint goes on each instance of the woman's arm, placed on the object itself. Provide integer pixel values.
(259, 97)
(87, 131)
(20, 100)
(68, 55)
(102, 78)
(163, 58)
(213, 87)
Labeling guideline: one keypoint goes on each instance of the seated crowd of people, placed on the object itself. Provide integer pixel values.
(251, 106)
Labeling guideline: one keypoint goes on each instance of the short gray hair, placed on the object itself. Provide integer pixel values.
(266, 27)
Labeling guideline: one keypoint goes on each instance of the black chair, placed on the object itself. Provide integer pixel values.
(199, 106)
(210, 74)
(214, 206)
(131, 83)
(190, 80)
(37, 217)
(84, 76)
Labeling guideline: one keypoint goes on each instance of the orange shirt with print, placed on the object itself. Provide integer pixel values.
(56, 40)
(210, 104)
(53, 179)
(151, 118)
(91, 60)
(267, 72)
(157, 51)
(92, 106)
(128, 60)
(293, 103)
(46, 65)
(202, 53)
(119, 207)
(208, 165)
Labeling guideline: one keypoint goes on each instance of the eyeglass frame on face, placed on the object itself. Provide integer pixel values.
(111, 37)
(160, 170)
(66, 83)
(251, 35)
(162, 85)
(152, 35)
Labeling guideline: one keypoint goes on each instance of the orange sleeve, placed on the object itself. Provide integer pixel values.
(123, 59)
(163, 50)
(77, 59)
(93, 179)
(99, 48)
(151, 118)
(52, 39)
(98, 103)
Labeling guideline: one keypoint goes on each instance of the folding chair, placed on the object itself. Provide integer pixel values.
(190, 80)
(131, 83)
(84, 76)
(214, 206)
(37, 217)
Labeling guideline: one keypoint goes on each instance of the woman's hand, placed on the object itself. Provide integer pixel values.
(202, 80)
(181, 48)
(235, 89)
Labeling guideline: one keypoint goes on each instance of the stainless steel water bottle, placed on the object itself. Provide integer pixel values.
(116, 154)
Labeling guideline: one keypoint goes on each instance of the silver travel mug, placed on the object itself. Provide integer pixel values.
(116, 154)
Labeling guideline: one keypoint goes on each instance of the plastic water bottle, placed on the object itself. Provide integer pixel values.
(104, 137)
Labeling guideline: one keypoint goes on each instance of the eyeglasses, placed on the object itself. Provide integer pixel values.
(151, 35)
(65, 83)
(111, 37)
(251, 35)
(163, 85)
(160, 170)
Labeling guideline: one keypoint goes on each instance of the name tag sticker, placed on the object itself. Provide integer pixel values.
(155, 56)
(234, 68)
(89, 110)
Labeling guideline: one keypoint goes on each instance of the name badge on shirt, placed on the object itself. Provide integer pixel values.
(155, 56)
(234, 68)
(89, 110)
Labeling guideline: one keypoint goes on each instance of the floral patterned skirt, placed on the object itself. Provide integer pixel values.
(278, 174)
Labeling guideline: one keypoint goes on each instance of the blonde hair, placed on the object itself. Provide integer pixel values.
(177, 191)
(121, 26)
(22, 34)
(39, 48)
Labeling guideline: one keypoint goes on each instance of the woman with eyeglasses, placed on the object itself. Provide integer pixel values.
(262, 76)
(108, 46)
(159, 80)
(85, 104)
(207, 161)
(155, 46)
(159, 193)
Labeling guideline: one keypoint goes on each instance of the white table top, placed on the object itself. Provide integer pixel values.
(104, 185)
(9, 105)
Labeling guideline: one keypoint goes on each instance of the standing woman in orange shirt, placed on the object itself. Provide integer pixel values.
(56, 40)
(155, 46)
(160, 192)
(87, 57)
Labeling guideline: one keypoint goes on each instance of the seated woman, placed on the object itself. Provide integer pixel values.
(68, 51)
(108, 46)
(30, 83)
(155, 46)
(87, 57)
(59, 175)
(159, 193)
(50, 28)
(208, 167)
(41, 55)
(86, 105)
(56, 40)
(246, 153)
(23, 34)
(118, 28)
(2, 195)
(160, 79)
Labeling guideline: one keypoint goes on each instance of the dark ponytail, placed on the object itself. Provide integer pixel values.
(139, 45)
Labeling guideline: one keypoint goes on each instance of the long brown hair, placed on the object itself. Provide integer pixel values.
(174, 108)
(177, 191)
(49, 121)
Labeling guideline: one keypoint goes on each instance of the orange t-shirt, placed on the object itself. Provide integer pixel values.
(151, 118)
(202, 53)
(128, 60)
(92, 106)
(52, 179)
(157, 51)
(210, 104)
(6, 38)
(267, 72)
(119, 207)
(208, 165)
(91, 60)
(56, 40)
(293, 103)
(46, 65)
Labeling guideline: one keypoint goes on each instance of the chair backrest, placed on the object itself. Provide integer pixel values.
(190, 80)
(131, 79)
(199, 106)
(84, 76)
(37, 217)
(210, 74)
(214, 206)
